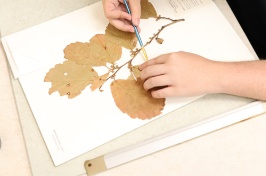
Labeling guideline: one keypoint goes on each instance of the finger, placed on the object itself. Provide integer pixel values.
(163, 92)
(112, 7)
(123, 8)
(135, 11)
(152, 71)
(118, 14)
(155, 82)
(158, 60)
(122, 25)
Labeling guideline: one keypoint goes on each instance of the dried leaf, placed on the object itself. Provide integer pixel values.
(131, 98)
(135, 73)
(147, 10)
(96, 53)
(97, 83)
(70, 78)
(79, 52)
(125, 39)
(102, 49)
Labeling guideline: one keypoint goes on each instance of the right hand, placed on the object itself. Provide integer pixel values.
(116, 12)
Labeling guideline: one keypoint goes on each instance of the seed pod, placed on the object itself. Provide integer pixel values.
(159, 40)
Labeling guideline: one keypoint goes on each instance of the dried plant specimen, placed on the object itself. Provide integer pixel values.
(75, 74)
(131, 98)
(102, 49)
(159, 40)
(135, 73)
(77, 52)
(125, 39)
(98, 82)
(147, 10)
(96, 53)
(70, 78)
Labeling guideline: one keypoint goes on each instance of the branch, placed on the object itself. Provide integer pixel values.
(155, 36)
(134, 53)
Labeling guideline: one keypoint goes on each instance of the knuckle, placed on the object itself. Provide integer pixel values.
(172, 57)
(121, 15)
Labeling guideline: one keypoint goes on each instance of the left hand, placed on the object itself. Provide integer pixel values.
(179, 74)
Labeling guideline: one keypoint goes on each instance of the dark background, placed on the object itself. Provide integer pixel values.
(251, 14)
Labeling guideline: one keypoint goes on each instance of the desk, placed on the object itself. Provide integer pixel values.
(23, 151)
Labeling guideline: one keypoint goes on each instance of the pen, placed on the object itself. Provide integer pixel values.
(137, 32)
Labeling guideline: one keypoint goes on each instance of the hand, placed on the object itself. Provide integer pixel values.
(115, 11)
(179, 74)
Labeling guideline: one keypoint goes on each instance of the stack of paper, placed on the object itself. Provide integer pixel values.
(71, 127)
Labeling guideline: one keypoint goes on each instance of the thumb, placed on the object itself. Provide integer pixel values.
(135, 8)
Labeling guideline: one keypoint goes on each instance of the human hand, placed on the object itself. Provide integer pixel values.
(115, 11)
(179, 74)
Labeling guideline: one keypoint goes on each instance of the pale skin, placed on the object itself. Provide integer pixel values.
(184, 74)
(115, 11)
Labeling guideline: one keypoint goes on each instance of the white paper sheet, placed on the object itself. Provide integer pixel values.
(71, 127)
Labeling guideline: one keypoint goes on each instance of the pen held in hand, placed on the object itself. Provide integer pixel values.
(137, 33)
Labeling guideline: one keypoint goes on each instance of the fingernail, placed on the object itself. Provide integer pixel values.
(140, 67)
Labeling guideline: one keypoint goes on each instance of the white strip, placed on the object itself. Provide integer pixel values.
(178, 136)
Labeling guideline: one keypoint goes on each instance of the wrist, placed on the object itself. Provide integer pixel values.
(217, 77)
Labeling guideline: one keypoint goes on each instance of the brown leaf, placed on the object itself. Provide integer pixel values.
(97, 83)
(131, 98)
(70, 78)
(147, 10)
(96, 53)
(125, 39)
(80, 53)
(135, 73)
(102, 49)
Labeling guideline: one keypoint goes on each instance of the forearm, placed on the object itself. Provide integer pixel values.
(245, 79)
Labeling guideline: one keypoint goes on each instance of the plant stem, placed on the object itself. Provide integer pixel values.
(134, 53)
